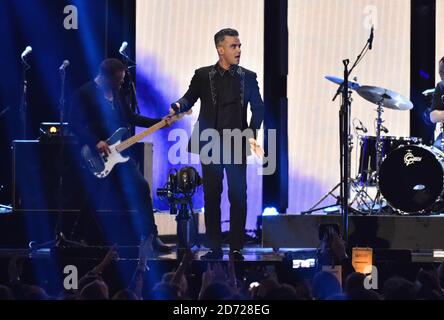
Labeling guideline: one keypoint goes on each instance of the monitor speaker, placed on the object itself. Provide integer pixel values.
(37, 168)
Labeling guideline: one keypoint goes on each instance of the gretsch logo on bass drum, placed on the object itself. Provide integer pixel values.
(409, 158)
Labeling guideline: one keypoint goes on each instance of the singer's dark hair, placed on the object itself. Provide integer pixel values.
(220, 35)
(442, 60)
(109, 67)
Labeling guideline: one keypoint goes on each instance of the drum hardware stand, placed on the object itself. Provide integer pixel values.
(349, 146)
(59, 238)
(379, 146)
(344, 122)
(344, 136)
(362, 198)
(330, 193)
(383, 98)
(360, 193)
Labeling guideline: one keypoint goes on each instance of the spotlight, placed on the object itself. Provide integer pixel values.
(270, 211)
(51, 130)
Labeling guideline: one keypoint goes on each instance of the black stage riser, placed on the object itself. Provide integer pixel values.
(17, 229)
(383, 232)
(37, 169)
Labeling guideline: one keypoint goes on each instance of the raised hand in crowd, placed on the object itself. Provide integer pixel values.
(111, 256)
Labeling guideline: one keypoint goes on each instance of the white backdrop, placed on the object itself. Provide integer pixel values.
(321, 34)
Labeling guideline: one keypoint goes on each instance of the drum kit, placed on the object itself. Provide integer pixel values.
(408, 175)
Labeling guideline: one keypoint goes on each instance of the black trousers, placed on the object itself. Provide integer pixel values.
(212, 175)
(124, 189)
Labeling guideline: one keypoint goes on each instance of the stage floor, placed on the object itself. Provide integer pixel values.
(251, 253)
(283, 233)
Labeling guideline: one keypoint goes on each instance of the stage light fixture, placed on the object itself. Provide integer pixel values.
(270, 211)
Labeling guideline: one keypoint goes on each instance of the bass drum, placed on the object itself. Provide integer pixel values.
(411, 178)
(367, 155)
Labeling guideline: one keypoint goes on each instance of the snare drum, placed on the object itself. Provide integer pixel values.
(367, 156)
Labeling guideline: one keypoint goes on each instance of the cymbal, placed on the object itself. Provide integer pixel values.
(429, 92)
(353, 85)
(388, 98)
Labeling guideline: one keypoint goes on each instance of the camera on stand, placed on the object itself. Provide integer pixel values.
(326, 255)
(182, 184)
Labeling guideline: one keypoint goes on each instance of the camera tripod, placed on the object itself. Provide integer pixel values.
(187, 232)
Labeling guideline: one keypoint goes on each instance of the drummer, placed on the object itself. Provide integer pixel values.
(437, 114)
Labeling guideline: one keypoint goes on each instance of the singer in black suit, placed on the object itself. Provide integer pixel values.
(224, 89)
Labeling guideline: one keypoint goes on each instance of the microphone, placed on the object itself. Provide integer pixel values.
(370, 40)
(384, 129)
(361, 127)
(64, 65)
(26, 52)
(123, 48)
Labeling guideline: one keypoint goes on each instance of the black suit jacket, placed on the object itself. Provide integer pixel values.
(86, 116)
(203, 87)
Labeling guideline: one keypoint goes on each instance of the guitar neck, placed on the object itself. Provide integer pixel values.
(136, 138)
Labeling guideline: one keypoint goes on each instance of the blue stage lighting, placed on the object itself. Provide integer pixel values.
(270, 211)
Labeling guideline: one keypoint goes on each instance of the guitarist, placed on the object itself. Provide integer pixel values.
(224, 89)
(99, 108)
